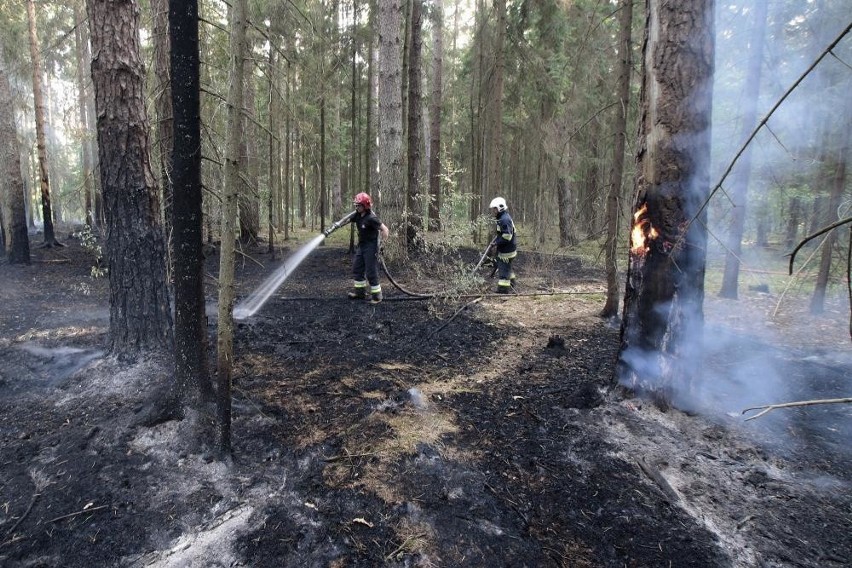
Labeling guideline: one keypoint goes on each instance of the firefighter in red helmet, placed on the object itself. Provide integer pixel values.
(365, 266)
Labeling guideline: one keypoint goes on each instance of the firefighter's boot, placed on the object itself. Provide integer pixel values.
(503, 286)
(375, 294)
(359, 292)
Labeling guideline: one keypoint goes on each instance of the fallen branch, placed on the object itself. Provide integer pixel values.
(348, 456)
(24, 516)
(770, 407)
(83, 512)
(659, 480)
(452, 317)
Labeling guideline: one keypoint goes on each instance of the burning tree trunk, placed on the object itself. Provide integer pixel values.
(663, 314)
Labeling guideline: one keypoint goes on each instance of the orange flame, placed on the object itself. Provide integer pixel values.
(642, 232)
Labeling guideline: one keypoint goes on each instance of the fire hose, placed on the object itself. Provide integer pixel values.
(433, 295)
(484, 256)
(348, 218)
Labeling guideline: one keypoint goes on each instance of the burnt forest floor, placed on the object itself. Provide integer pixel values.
(468, 431)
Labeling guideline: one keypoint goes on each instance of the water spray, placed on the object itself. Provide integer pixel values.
(254, 301)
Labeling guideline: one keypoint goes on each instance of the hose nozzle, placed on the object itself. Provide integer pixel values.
(338, 224)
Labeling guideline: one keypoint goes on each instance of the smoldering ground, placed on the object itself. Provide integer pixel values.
(362, 437)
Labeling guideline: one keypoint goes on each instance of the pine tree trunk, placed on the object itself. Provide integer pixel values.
(140, 317)
(192, 381)
(163, 105)
(335, 138)
(323, 203)
(663, 313)
(435, 117)
(272, 158)
(566, 213)
(288, 159)
(837, 179)
(494, 182)
(12, 184)
(371, 155)
(391, 182)
(738, 187)
(230, 204)
(614, 193)
(794, 217)
(41, 144)
(249, 201)
(82, 102)
(413, 221)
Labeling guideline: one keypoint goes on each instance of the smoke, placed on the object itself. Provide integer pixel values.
(788, 151)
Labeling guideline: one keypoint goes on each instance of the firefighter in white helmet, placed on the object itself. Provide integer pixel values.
(505, 246)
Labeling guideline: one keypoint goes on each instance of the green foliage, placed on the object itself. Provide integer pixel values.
(89, 242)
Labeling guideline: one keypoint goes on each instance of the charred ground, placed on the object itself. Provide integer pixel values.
(465, 432)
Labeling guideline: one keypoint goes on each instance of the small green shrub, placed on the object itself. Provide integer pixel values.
(89, 242)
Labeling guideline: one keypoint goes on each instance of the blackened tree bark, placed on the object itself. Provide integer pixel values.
(738, 188)
(11, 182)
(436, 106)
(614, 193)
(663, 312)
(140, 317)
(192, 381)
(41, 144)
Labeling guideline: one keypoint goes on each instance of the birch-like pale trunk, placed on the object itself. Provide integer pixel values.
(230, 204)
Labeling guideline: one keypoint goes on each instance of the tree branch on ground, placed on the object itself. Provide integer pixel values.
(770, 407)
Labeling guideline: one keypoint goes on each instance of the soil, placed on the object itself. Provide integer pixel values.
(463, 431)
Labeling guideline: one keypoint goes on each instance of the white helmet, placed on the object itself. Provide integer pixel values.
(499, 203)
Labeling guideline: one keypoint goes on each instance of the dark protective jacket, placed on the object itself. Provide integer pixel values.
(368, 227)
(505, 234)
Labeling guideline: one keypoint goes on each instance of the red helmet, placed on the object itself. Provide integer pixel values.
(363, 199)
